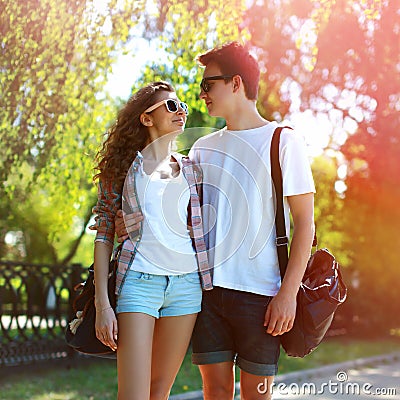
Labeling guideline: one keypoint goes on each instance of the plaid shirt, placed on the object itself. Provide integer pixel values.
(110, 201)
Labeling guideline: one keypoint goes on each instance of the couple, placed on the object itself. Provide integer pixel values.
(159, 285)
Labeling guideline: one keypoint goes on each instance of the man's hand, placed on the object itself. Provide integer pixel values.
(128, 224)
(281, 311)
(280, 314)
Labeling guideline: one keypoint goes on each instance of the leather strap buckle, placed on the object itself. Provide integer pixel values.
(282, 241)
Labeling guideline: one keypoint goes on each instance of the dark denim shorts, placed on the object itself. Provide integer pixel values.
(230, 327)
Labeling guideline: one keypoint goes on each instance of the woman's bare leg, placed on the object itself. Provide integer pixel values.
(171, 339)
(135, 340)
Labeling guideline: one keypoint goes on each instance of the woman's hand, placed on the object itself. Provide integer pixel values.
(106, 327)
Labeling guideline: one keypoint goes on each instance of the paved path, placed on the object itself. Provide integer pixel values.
(367, 378)
(373, 378)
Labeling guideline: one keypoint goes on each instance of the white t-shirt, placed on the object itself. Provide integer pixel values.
(238, 203)
(165, 247)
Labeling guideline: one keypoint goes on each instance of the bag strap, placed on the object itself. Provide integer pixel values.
(281, 238)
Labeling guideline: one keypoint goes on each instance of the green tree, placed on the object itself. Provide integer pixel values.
(329, 204)
(55, 57)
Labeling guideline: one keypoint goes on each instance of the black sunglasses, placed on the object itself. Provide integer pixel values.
(205, 86)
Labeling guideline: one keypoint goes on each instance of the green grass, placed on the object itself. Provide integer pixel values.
(97, 380)
(38, 333)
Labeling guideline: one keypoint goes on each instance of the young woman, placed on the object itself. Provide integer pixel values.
(158, 282)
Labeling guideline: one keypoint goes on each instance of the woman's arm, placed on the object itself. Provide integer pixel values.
(106, 322)
(102, 254)
(109, 201)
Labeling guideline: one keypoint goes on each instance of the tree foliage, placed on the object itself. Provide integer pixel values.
(372, 158)
(55, 57)
(357, 72)
(344, 60)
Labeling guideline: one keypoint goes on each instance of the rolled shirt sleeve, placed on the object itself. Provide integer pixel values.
(108, 203)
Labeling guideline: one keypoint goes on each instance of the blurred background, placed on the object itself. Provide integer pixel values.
(331, 68)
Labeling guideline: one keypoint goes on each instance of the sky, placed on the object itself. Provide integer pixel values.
(128, 67)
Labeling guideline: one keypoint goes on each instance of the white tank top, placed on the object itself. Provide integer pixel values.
(165, 247)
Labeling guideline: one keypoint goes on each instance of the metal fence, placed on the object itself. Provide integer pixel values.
(35, 306)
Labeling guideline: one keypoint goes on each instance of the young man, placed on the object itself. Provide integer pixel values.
(243, 316)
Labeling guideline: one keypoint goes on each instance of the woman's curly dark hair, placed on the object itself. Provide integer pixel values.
(127, 135)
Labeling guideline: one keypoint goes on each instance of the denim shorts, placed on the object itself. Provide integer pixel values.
(230, 327)
(160, 295)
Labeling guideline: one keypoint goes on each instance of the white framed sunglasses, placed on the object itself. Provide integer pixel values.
(171, 105)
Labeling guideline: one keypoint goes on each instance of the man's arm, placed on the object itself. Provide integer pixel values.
(122, 227)
(281, 311)
(129, 223)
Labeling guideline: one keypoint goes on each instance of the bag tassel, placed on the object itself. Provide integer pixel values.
(74, 324)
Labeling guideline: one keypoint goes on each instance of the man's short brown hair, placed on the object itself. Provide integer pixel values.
(233, 59)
